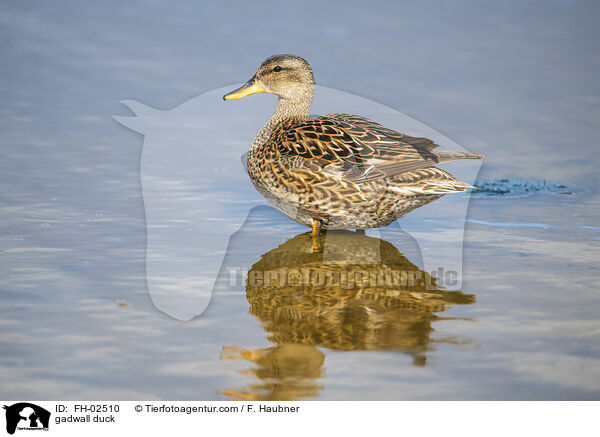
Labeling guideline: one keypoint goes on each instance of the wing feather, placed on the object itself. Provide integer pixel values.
(357, 150)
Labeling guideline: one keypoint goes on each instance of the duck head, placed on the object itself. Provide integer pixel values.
(287, 76)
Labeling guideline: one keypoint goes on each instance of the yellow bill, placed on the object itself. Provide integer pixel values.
(249, 88)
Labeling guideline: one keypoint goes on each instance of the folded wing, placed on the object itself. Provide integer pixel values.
(357, 150)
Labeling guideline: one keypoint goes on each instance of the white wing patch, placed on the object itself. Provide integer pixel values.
(430, 187)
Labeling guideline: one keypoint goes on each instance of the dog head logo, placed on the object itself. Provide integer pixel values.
(197, 196)
(26, 416)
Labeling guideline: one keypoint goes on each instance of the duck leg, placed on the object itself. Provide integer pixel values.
(316, 226)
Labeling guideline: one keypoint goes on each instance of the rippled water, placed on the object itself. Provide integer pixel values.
(515, 81)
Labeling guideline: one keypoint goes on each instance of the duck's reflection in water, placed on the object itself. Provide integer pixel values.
(286, 372)
(357, 293)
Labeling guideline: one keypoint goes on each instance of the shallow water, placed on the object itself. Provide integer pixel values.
(516, 82)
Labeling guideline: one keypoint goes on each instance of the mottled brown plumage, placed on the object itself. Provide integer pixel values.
(342, 170)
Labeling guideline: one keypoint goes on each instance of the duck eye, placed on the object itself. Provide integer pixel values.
(278, 68)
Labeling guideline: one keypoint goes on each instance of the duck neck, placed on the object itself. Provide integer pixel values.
(296, 109)
(287, 111)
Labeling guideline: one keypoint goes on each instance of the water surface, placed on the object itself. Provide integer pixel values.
(516, 81)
